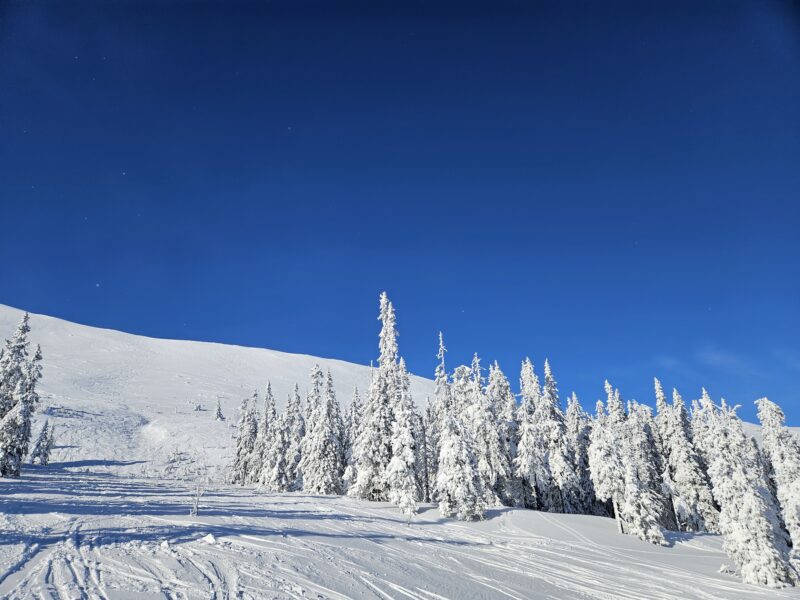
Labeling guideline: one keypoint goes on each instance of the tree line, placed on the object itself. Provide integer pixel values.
(476, 445)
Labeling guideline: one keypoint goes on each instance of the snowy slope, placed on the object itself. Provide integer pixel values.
(128, 400)
(108, 519)
(99, 535)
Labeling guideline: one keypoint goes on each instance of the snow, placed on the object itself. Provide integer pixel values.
(103, 535)
(109, 517)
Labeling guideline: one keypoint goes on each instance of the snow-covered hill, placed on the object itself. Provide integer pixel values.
(126, 402)
(108, 518)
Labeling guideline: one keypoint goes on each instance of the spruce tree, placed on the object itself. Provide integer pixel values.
(436, 410)
(458, 484)
(606, 464)
(578, 433)
(41, 444)
(218, 416)
(749, 516)
(247, 431)
(504, 408)
(643, 507)
(277, 479)
(487, 440)
(352, 431)
(530, 466)
(564, 485)
(782, 452)
(321, 450)
(400, 473)
(373, 449)
(684, 477)
(264, 453)
(296, 430)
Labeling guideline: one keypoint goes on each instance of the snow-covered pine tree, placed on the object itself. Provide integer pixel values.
(40, 445)
(563, 488)
(12, 426)
(277, 480)
(749, 516)
(782, 451)
(247, 431)
(352, 426)
(435, 412)
(13, 358)
(296, 428)
(530, 466)
(218, 416)
(400, 473)
(44, 458)
(422, 460)
(264, 454)
(321, 450)
(373, 449)
(684, 478)
(488, 446)
(643, 506)
(605, 456)
(19, 375)
(578, 430)
(504, 408)
(458, 484)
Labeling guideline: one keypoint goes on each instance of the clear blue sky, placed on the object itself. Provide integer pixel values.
(613, 185)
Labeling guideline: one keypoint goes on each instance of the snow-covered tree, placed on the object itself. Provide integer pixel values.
(488, 443)
(13, 360)
(373, 449)
(296, 430)
(564, 485)
(530, 466)
(218, 416)
(321, 450)
(353, 424)
(643, 507)
(458, 484)
(264, 454)
(40, 450)
(504, 408)
(423, 457)
(578, 430)
(277, 478)
(11, 438)
(684, 478)
(19, 375)
(605, 455)
(436, 410)
(245, 443)
(401, 471)
(749, 516)
(782, 451)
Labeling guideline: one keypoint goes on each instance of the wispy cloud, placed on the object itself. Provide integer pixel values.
(714, 357)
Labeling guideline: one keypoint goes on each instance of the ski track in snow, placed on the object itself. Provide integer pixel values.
(73, 534)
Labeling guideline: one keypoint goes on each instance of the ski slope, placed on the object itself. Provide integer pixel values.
(109, 518)
(71, 534)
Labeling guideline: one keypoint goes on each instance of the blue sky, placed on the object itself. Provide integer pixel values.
(611, 185)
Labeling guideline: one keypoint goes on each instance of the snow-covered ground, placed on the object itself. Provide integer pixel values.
(71, 531)
(109, 519)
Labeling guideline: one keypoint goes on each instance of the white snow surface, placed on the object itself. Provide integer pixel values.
(109, 517)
